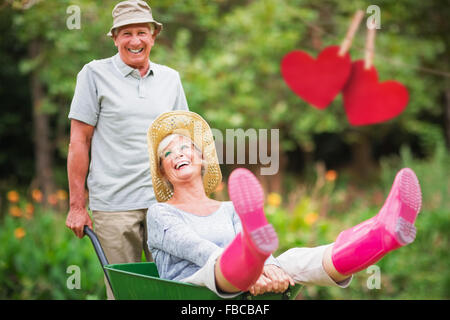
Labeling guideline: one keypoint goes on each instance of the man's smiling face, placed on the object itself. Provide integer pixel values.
(134, 43)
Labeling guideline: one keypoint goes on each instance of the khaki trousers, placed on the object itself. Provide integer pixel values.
(123, 236)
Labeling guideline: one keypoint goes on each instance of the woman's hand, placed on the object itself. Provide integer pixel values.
(272, 279)
(262, 285)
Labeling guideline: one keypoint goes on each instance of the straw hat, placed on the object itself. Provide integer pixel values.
(193, 126)
(131, 12)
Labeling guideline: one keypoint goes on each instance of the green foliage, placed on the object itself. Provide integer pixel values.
(417, 271)
(433, 173)
(233, 77)
(34, 265)
(35, 256)
(228, 54)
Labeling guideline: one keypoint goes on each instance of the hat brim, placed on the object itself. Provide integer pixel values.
(197, 129)
(158, 25)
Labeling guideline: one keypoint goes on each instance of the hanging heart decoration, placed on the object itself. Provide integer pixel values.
(317, 81)
(368, 101)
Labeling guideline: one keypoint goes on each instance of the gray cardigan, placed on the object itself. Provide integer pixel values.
(181, 242)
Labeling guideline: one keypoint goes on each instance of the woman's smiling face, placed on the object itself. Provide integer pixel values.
(181, 161)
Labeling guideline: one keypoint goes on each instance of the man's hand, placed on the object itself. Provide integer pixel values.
(272, 279)
(77, 219)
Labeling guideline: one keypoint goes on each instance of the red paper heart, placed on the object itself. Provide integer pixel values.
(367, 101)
(318, 81)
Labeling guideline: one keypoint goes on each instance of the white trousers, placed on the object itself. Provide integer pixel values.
(304, 265)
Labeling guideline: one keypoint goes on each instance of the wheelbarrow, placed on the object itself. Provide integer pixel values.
(141, 281)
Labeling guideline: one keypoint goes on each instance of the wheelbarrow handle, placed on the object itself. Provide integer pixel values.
(98, 250)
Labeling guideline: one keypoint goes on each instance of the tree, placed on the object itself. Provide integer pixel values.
(228, 54)
(55, 55)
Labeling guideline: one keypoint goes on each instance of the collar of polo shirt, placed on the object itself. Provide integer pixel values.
(126, 70)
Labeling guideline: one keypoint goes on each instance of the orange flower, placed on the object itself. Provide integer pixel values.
(61, 195)
(29, 211)
(29, 208)
(19, 233)
(13, 196)
(52, 199)
(311, 218)
(36, 194)
(15, 211)
(274, 199)
(331, 175)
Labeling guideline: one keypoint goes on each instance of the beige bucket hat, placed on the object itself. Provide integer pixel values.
(193, 126)
(130, 12)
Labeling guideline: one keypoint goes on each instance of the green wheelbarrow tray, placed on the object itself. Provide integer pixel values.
(141, 281)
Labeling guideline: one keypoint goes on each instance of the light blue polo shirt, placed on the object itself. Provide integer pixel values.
(121, 105)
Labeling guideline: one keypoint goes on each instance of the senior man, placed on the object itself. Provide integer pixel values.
(115, 101)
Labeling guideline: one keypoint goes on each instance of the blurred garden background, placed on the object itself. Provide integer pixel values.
(332, 175)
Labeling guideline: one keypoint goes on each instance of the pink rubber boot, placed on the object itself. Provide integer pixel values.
(364, 244)
(243, 260)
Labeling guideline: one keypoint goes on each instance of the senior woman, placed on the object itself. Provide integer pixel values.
(228, 246)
